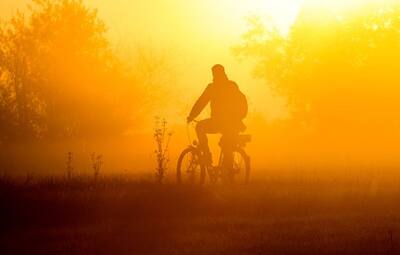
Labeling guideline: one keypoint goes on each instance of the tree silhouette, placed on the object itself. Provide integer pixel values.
(338, 71)
(59, 76)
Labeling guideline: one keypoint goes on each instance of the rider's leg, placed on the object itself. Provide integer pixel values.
(204, 127)
(228, 147)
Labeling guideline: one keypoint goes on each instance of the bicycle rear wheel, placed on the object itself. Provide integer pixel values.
(189, 169)
(240, 167)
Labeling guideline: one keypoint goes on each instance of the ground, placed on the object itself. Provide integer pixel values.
(121, 216)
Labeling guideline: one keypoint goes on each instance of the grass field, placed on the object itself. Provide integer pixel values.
(125, 216)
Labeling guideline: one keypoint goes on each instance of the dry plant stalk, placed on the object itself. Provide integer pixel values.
(69, 167)
(97, 163)
(162, 138)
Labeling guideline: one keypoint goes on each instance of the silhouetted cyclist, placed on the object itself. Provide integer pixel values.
(228, 109)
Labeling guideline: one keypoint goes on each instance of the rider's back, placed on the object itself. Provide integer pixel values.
(228, 104)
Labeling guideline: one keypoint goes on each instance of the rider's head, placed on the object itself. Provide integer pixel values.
(219, 74)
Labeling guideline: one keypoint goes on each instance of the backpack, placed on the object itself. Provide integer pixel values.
(240, 106)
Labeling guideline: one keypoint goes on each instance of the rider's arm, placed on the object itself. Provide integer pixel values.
(201, 103)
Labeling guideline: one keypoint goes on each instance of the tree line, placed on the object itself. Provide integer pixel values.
(338, 70)
(61, 77)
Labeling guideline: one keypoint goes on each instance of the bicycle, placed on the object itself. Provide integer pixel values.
(191, 168)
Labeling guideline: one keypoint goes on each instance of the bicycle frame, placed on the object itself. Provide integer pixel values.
(223, 169)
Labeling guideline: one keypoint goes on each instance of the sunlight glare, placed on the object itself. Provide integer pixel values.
(282, 13)
(342, 5)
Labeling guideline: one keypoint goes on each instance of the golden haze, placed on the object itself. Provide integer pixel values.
(326, 89)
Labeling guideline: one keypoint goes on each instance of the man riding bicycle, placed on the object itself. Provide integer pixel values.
(228, 109)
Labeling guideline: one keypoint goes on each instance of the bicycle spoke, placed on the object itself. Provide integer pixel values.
(190, 170)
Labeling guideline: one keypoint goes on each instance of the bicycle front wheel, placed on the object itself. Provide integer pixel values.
(189, 169)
